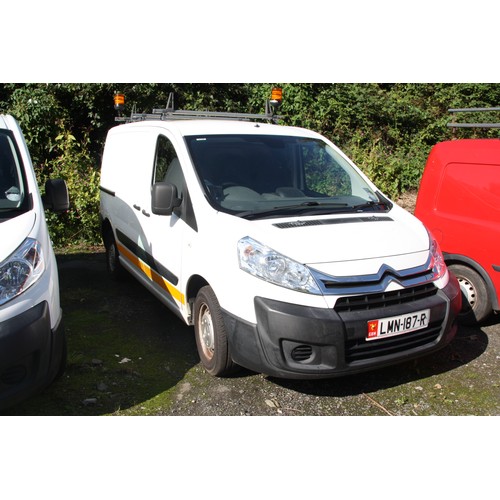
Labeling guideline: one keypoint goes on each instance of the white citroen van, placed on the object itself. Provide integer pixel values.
(32, 341)
(273, 244)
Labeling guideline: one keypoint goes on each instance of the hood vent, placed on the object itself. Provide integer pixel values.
(325, 222)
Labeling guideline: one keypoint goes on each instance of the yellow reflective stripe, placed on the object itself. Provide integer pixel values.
(152, 274)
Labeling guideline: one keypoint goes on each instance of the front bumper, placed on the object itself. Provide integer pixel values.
(31, 354)
(292, 341)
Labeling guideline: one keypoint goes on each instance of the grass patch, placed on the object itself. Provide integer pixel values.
(126, 351)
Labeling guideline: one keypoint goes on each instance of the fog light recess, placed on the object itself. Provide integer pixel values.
(301, 353)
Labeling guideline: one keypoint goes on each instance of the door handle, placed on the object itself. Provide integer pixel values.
(145, 213)
(137, 207)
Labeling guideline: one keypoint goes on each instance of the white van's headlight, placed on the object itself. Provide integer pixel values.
(265, 263)
(23, 268)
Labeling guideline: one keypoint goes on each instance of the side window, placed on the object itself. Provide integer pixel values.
(11, 178)
(167, 165)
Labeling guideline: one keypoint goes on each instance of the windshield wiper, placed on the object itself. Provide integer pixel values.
(377, 205)
(306, 207)
(11, 209)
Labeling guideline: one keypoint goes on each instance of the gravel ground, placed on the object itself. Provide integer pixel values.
(462, 379)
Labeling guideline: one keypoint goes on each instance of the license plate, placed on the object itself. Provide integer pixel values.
(397, 325)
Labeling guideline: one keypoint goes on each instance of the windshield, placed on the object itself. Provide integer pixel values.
(12, 186)
(256, 176)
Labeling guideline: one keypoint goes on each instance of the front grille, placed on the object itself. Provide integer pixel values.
(360, 349)
(385, 299)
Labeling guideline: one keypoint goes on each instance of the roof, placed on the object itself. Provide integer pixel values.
(3, 122)
(215, 126)
(468, 151)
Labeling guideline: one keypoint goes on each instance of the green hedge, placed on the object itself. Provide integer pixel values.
(387, 129)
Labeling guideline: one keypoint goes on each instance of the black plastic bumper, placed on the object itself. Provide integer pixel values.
(31, 354)
(292, 341)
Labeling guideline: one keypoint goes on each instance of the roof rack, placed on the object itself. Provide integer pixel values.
(473, 125)
(170, 113)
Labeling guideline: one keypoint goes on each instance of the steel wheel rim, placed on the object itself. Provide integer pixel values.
(469, 292)
(206, 328)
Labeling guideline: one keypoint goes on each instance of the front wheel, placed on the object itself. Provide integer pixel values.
(476, 303)
(211, 336)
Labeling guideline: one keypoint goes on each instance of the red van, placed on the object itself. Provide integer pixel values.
(459, 202)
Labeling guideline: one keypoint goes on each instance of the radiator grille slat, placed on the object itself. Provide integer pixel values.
(384, 299)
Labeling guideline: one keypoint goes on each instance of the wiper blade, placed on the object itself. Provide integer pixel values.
(306, 207)
(11, 209)
(378, 205)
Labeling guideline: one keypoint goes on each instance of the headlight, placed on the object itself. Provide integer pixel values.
(437, 260)
(271, 266)
(23, 268)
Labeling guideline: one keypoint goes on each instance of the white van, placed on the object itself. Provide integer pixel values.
(273, 244)
(32, 340)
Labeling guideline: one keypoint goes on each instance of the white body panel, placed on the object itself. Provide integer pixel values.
(31, 224)
(210, 250)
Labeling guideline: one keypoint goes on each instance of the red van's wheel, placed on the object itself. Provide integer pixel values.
(211, 337)
(476, 303)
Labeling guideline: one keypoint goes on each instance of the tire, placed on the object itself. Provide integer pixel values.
(211, 336)
(476, 303)
(115, 269)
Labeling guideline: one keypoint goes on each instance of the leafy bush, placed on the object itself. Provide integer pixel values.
(41, 118)
(393, 170)
(387, 129)
(80, 224)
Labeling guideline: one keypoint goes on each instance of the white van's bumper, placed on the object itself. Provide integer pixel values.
(292, 341)
(31, 353)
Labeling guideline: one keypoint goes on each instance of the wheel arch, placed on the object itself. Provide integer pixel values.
(194, 285)
(451, 259)
(106, 231)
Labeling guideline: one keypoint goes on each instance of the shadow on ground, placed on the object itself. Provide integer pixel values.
(124, 347)
(469, 344)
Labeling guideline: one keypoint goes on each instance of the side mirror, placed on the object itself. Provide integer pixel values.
(56, 196)
(164, 198)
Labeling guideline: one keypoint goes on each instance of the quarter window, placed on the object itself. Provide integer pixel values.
(167, 165)
(12, 183)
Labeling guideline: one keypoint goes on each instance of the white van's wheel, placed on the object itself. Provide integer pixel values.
(476, 304)
(210, 332)
(112, 261)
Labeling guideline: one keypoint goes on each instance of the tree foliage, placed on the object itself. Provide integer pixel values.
(387, 129)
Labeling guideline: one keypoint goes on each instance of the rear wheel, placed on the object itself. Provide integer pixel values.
(476, 304)
(211, 336)
(112, 257)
